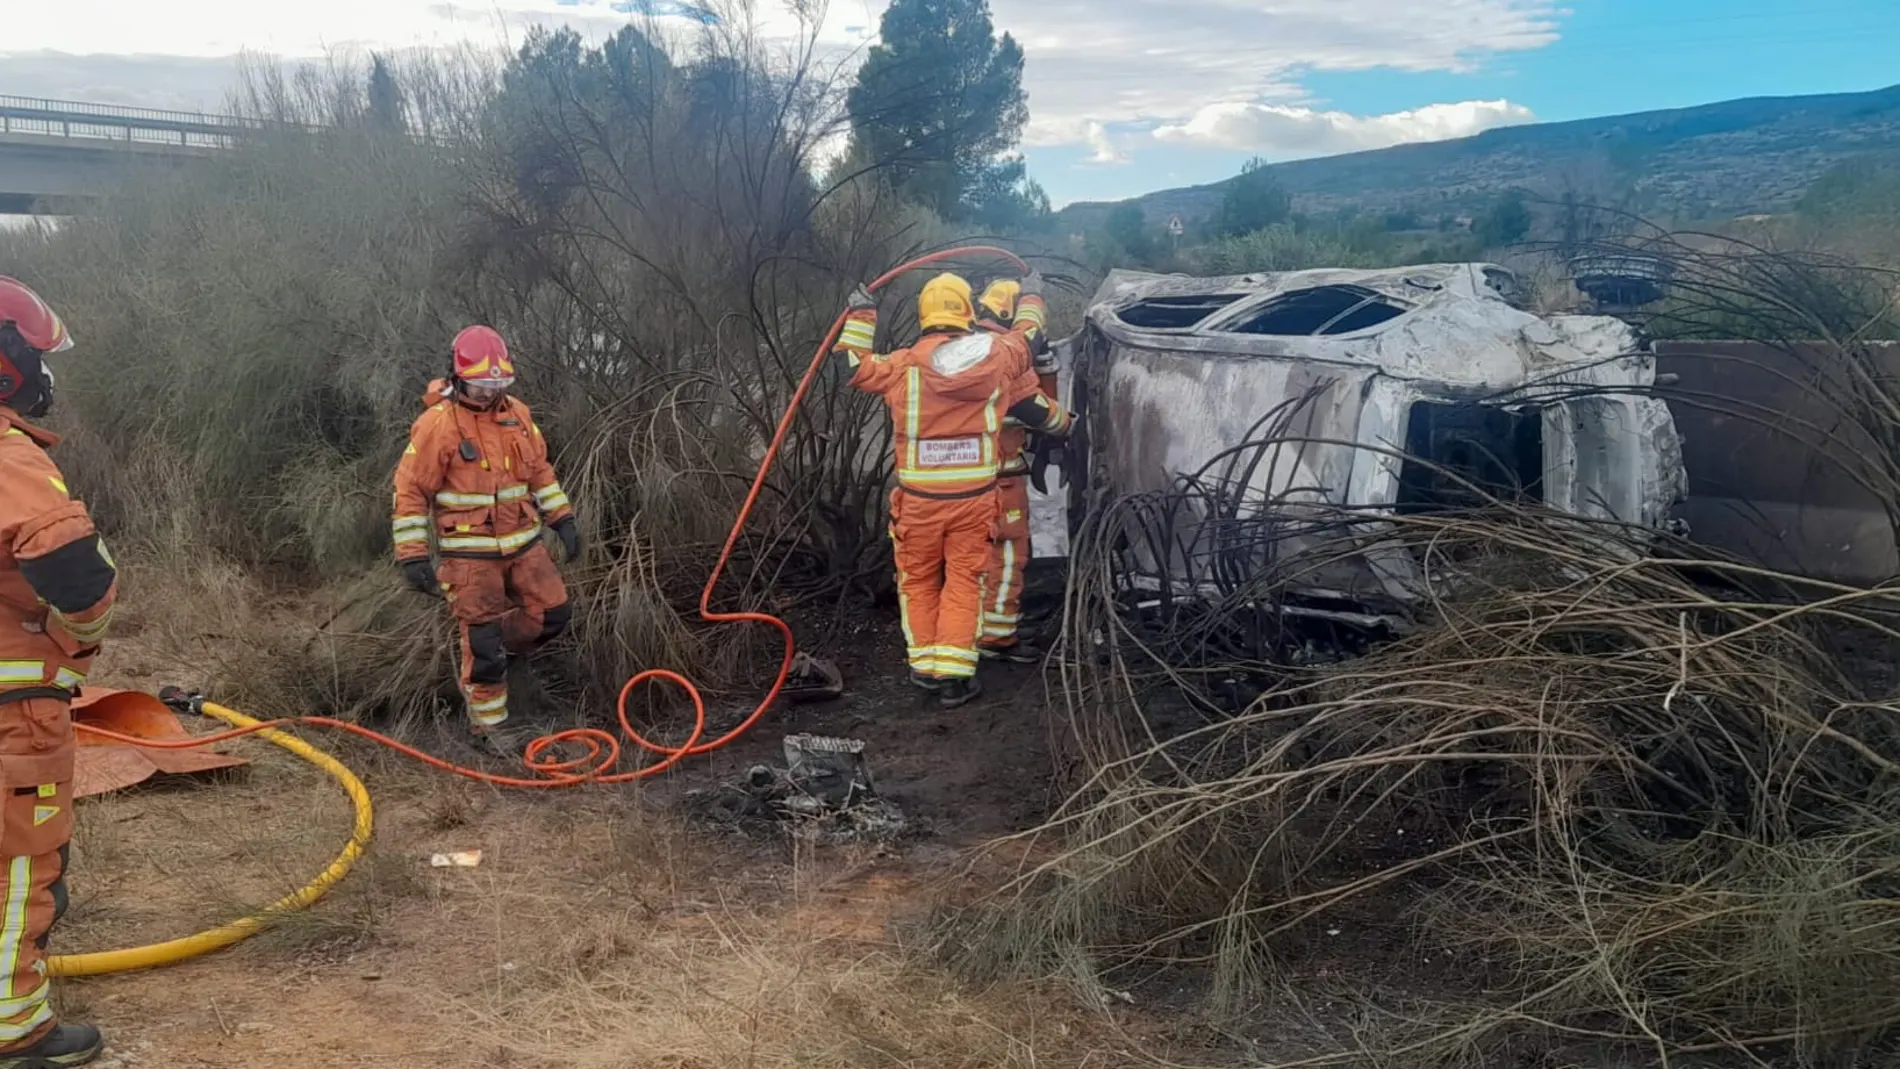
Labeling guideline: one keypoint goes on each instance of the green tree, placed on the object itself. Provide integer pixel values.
(1254, 200)
(385, 96)
(1127, 227)
(1005, 198)
(938, 103)
(1506, 222)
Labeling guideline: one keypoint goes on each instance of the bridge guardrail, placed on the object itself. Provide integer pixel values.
(77, 119)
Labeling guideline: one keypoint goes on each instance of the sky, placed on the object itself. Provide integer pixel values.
(1125, 96)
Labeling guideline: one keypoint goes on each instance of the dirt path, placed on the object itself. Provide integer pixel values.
(601, 929)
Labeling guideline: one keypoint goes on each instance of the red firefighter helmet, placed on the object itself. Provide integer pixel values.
(38, 329)
(39, 325)
(481, 358)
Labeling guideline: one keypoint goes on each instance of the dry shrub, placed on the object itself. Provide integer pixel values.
(741, 992)
(1661, 808)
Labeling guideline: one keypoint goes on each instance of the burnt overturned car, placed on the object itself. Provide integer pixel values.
(1236, 422)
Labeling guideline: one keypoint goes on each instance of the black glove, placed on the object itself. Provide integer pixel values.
(1045, 453)
(420, 576)
(1032, 284)
(569, 533)
(861, 298)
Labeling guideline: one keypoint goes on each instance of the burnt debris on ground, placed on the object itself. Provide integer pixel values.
(823, 792)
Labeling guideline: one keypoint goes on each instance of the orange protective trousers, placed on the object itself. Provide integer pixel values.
(513, 605)
(942, 549)
(1003, 588)
(36, 823)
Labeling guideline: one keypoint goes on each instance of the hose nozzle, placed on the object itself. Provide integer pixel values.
(185, 701)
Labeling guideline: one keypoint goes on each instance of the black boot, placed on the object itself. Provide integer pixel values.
(1019, 652)
(506, 740)
(957, 692)
(924, 682)
(66, 1045)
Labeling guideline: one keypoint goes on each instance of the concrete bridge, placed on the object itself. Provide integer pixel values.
(56, 154)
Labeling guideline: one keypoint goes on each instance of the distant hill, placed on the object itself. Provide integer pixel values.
(1715, 161)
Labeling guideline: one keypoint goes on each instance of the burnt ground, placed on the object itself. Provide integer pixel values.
(962, 774)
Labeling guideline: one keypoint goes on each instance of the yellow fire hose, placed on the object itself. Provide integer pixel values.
(191, 946)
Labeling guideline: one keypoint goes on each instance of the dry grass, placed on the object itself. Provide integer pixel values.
(1662, 812)
(745, 992)
(596, 932)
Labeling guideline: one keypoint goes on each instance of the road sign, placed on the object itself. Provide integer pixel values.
(1175, 228)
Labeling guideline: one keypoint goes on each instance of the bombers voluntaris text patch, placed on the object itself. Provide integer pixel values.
(947, 452)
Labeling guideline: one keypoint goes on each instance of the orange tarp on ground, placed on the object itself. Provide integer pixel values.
(106, 765)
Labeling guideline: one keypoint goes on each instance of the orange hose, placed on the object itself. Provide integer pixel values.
(602, 749)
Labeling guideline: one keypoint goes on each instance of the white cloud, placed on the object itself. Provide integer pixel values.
(1122, 62)
(1106, 153)
(183, 54)
(1281, 131)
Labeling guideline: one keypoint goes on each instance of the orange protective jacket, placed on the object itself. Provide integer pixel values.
(58, 582)
(480, 480)
(948, 395)
(1014, 438)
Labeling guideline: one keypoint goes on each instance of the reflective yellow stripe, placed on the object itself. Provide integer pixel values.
(14, 1032)
(490, 544)
(15, 432)
(403, 523)
(903, 611)
(22, 671)
(490, 712)
(858, 335)
(952, 662)
(88, 631)
(59, 485)
(13, 928)
(551, 498)
(512, 493)
(13, 1007)
(1008, 580)
(464, 501)
(913, 413)
(950, 669)
(405, 537)
(978, 473)
(67, 679)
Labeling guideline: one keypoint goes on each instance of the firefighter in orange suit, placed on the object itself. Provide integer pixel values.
(947, 395)
(476, 477)
(997, 311)
(57, 588)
